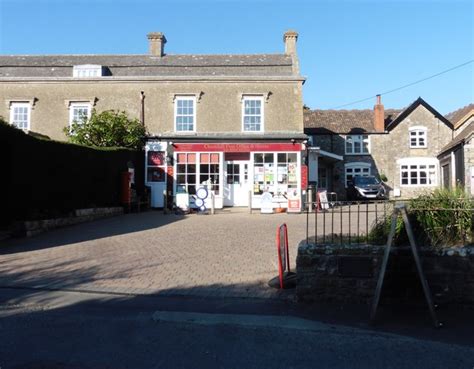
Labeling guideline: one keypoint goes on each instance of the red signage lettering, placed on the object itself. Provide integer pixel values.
(236, 147)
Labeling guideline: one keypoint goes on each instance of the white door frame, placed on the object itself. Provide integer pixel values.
(240, 189)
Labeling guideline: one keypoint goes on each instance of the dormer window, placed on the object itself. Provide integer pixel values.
(87, 71)
(418, 137)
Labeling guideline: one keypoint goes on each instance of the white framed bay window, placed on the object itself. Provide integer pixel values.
(418, 172)
(196, 169)
(20, 115)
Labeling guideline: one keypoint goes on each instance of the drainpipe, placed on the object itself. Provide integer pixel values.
(142, 107)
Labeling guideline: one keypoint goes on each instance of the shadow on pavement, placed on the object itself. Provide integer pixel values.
(109, 227)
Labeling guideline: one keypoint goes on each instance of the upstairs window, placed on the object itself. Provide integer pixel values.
(357, 145)
(252, 114)
(87, 71)
(79, 112)
(20, 115)
(185, 113)
(418, 137)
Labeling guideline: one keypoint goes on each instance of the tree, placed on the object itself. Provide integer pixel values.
(109, 128)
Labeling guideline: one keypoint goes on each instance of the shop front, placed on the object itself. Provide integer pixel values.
(236, 174)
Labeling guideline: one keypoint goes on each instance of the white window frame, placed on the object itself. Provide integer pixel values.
(262, 112)
(353, 166)
(420, 132)
(20, 104)
(194, 115)
(87, 71)
(418, 162)
(74, 105)
(359, 138)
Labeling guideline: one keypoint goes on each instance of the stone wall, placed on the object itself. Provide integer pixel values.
(35, 227)
(349, 273)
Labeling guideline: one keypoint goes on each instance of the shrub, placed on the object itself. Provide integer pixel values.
(441, 219)
(108, 129)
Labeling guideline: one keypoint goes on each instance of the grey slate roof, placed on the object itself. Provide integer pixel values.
(344, 121)
(148, 65)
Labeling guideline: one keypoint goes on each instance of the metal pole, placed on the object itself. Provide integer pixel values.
(165, 202)
(250, 202)
(310, 199)
(213, 211)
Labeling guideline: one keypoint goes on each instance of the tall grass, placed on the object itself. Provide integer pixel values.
(442, 219)
(446, 217)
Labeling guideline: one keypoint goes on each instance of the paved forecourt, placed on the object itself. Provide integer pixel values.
(230, 254)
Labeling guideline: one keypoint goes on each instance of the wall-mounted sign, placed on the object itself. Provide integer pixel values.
(304, 177)
(237, 147)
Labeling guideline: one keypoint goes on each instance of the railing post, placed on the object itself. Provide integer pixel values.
(309, 197)
(165, 202)
(250, 202)
(213, 210)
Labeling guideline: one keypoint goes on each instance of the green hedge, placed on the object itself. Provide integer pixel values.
(46, 178)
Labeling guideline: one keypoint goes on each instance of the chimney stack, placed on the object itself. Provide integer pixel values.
(157, 42)
(379, 116)
(289, 38)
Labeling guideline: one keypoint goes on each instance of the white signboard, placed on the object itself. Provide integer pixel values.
(266, 203)
(323, 199)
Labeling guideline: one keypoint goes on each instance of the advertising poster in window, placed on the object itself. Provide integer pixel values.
(156, 158)
(292, 172)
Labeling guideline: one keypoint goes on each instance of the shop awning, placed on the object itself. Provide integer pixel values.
(329, 156)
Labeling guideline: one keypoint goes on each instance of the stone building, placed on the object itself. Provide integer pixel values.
(399, 146)
(231, 123)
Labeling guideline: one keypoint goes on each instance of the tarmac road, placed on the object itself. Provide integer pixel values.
(57, 329)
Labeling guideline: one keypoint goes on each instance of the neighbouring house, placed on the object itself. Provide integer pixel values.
(231, 123)
(399, 146)
(457, 157)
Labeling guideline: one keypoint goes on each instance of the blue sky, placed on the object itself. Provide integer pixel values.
(349, 50)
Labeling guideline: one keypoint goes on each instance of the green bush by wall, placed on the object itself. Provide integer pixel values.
(43, 178)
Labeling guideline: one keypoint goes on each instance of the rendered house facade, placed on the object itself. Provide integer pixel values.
(232, 123)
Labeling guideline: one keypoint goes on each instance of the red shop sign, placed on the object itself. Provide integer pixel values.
(236, 147)
(304, 177)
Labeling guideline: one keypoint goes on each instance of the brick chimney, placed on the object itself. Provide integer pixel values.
(379, 116)
(157, 41)
(289, 38)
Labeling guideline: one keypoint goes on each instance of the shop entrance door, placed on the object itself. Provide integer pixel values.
(236, 188)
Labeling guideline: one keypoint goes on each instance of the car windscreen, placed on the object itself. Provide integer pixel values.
(361, 181)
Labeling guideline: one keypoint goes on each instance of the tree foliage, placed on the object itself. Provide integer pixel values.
(109, 128)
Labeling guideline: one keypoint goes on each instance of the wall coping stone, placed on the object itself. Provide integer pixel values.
(310, 248)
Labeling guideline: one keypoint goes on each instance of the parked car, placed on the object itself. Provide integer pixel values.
(365, 188)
